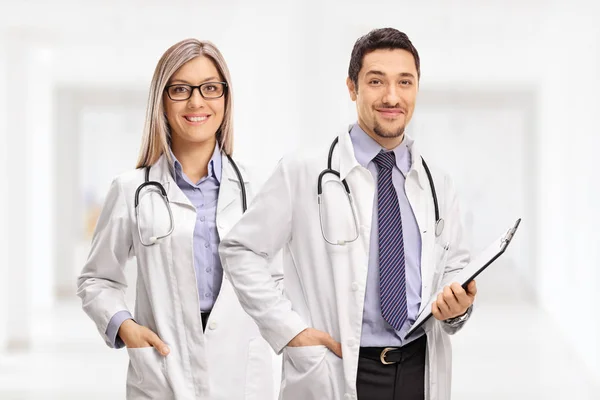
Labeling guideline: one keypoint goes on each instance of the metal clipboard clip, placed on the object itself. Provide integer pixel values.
(509, 235)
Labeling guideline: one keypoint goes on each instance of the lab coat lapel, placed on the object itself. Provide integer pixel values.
(230, 191)
(362, 189)
(161, 172)
(345, 155)
(420, 198)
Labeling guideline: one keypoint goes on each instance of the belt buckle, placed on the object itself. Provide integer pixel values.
(383, 354)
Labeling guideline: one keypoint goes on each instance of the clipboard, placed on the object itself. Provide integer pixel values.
(469, 272)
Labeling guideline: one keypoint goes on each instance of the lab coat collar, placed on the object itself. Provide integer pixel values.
(229, 171)
(162, 172)
(348, 159)
(214, 165)
(417, 163)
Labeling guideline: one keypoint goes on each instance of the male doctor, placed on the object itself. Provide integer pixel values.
(357, 273)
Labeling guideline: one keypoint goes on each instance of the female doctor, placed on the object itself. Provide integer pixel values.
(189, 337)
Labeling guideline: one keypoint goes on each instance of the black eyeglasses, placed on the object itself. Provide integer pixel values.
(208, 90)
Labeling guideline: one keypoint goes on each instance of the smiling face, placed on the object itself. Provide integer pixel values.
(385, 94)
(195, 120)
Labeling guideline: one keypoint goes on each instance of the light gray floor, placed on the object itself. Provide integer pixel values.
(509, 350)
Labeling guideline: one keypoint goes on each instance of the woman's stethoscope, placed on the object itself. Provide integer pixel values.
(439, 222)
(163, 193)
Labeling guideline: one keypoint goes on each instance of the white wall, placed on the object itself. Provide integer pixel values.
(479, 140)
(27, 245)
(4, 230)
(40, 177)
(568, 211)
(19, 203)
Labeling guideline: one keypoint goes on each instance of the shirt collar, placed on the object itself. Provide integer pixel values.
(366, 148)
(214, 164)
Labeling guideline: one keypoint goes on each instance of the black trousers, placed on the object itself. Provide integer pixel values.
(204, 316)
(404, 380)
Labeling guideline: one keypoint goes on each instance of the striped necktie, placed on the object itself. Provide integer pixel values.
(392, 278)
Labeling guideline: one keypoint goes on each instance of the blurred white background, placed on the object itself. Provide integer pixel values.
(508, 105)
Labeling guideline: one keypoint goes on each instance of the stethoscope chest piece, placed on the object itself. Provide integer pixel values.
(439, 227)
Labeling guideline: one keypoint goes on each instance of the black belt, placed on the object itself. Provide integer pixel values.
(393, 355)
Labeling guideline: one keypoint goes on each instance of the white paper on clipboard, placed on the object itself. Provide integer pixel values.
(469, 272)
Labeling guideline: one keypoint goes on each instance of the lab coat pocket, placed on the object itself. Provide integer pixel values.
(146, 377)
(306, 374)
(259, 369)
(335, 372)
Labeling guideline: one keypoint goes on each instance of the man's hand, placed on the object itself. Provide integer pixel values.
(136, 336)
(314, 337)
(454, 301)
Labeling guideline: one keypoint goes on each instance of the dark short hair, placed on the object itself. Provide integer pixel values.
(384, 38)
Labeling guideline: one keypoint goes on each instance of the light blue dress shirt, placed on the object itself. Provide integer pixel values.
(204, 196)
(376, 332)
(209, 274)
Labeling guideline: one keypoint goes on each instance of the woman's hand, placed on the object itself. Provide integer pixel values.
(136, 336)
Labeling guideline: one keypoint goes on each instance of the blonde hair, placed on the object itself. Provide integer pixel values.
(157, 134)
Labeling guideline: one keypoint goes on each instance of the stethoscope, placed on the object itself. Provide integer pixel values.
(439, 222)
(163, 193)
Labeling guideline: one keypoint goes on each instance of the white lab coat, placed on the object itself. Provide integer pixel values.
(325, 284)
(230, 361)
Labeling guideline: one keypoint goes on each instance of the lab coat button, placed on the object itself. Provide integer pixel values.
(354, 287)
(350, 343)
(213, 325)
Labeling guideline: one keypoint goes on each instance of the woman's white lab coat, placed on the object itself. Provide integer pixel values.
(229, 361)
(325, 284)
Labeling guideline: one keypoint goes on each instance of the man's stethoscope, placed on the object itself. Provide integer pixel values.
(439, 222)
(163, 193)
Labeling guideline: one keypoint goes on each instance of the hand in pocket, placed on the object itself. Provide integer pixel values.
(136, 336)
